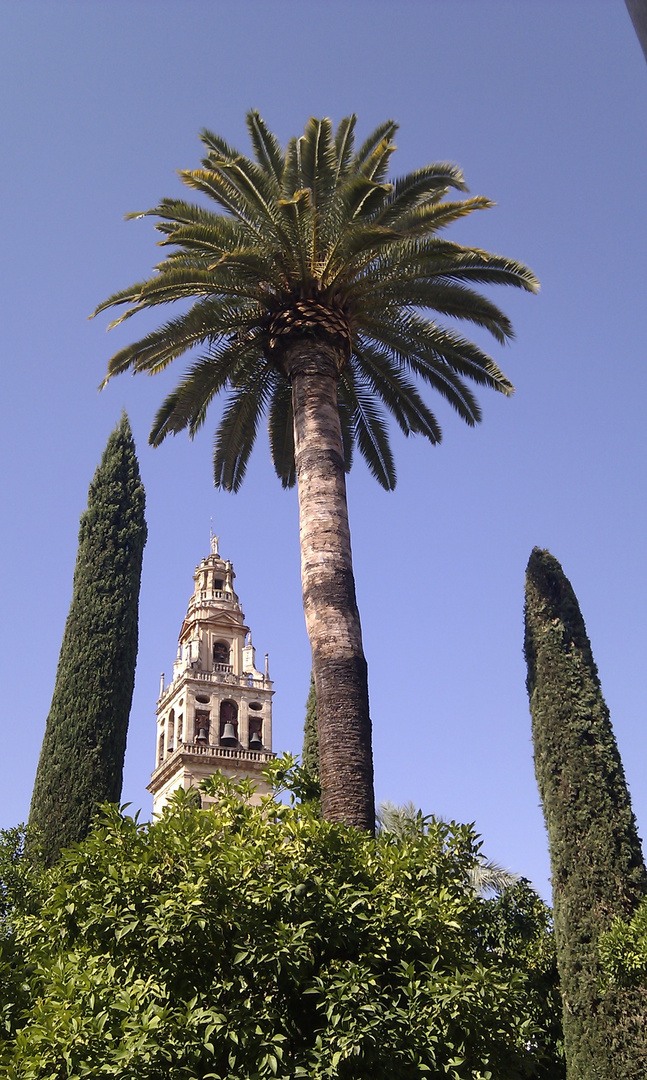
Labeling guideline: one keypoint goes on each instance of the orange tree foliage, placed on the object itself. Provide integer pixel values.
(259, 942)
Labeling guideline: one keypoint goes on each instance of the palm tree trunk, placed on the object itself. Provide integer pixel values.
(638, 11)
(330, 606)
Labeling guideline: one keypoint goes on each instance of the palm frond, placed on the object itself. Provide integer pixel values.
(237, 429)
(179, 282)
(174, 213)
(267, 148)
(431, 367)
(318, 160)
(488, 877)
(387, 379)
(186, 406)
(433, 257)
(217, 147)
(404, 822)
(347, 433)
(124, 296)
(281, 432)
(425, 346)
(429, 184)
(369, 430)
(217, 235)
(214, 185)
(344, 145)
(207, 320)
(257, 193)
(431, 217)
(292, 178)
(446, 299)
(378, 141)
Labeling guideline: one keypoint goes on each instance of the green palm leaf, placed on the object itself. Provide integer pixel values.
(267, 148)
(317, 222)
(281, 431)
(389, 381)
(368, 428)
(237, 430)
(186, 407)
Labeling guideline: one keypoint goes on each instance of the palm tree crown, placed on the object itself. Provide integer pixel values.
(313, 242)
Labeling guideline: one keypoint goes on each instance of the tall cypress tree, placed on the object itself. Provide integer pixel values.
(82, 757)
(310, 752)
(597, 864)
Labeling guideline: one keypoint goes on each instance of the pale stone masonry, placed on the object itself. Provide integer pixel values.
(216, 714)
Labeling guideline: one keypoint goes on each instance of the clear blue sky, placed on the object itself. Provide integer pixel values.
(544, 106)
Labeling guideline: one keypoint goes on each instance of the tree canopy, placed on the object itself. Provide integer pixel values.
(251, 942)
(312, 243)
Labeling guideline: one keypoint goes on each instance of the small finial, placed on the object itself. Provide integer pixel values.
(214, 543)
(161, 684)
(267, 665)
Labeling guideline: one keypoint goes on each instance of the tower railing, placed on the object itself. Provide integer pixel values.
(206, 750)
(226, 676)
(222, 673)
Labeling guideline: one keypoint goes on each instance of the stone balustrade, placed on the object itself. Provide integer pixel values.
(206, 750)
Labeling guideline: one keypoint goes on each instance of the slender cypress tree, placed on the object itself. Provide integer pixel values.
(597, 864)
(310, 752)
(82, 757)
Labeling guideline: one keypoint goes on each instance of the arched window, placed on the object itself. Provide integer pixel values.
(255, 732)
(170, 732)
(160, 748)
(201, 726)
(220, 653)
(228, 723)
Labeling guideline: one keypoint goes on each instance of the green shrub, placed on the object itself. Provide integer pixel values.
(251, 942)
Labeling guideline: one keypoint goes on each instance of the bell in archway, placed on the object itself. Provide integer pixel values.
(255, 741)
(228, 737)
(202, 736)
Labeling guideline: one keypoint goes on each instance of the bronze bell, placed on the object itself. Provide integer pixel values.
(255, 742)
(228, 737)
(202, 735)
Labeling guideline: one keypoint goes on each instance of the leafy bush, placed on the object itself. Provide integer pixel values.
(251, 942)
(623, 950)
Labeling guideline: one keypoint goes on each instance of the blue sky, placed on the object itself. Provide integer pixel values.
(545, 108)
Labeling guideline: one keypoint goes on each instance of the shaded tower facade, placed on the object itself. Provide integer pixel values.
(216, 714)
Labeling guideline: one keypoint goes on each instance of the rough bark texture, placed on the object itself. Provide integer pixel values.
(330, 606)
(597, 865)
(82, 757)
(638, 12)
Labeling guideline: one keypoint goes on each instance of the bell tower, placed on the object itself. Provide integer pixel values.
(216, 714)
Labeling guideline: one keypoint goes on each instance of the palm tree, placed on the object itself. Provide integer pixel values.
(405, 822)
(306, 284)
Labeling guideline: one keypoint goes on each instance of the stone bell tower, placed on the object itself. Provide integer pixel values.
(216, 714)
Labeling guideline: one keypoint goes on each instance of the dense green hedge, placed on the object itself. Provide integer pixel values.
(246, 942)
